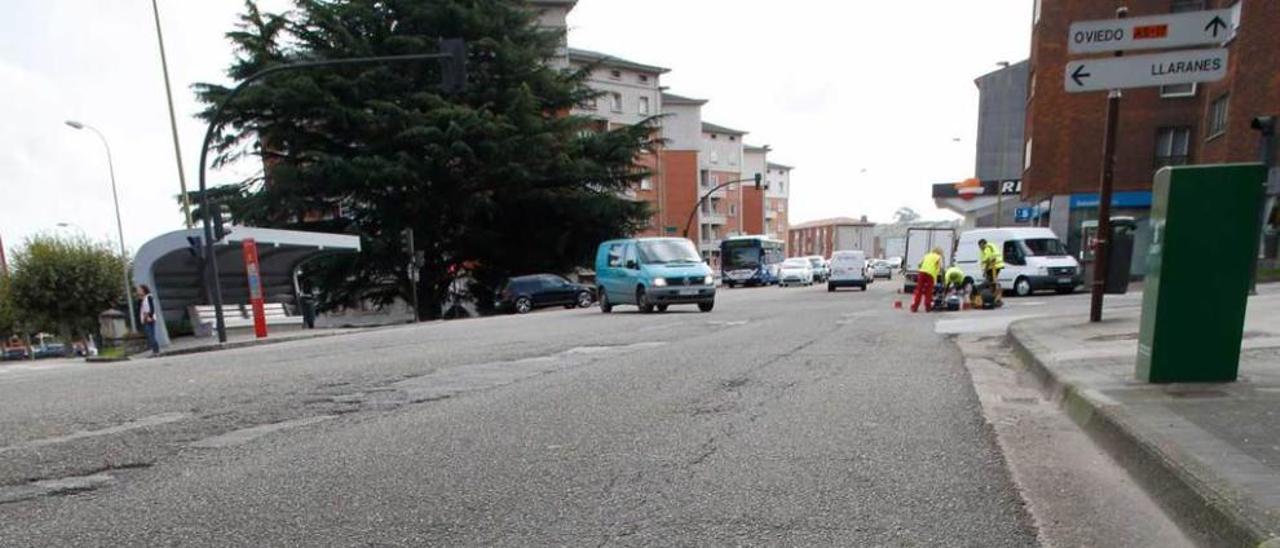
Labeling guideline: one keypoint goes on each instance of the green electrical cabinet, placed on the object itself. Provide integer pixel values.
(1205, 221)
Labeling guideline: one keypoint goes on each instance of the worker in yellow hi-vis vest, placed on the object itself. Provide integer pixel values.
(992, 263)
(926, 278)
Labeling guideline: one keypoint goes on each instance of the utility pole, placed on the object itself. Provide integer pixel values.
(1103, 237)
(173, 121)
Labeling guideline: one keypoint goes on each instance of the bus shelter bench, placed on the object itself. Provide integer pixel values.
(240, 318)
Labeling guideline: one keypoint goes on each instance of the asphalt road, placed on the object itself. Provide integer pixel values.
(786, 417)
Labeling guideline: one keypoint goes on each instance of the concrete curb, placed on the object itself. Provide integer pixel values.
(246, 344)
(1207, 507)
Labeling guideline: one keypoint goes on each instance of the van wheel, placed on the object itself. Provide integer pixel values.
(1021, 287)
(605, 306)
(831, 288)
(662, 308)
(642, 301)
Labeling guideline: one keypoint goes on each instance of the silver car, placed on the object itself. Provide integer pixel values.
(881, 269)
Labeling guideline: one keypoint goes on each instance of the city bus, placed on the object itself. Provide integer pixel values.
(750, 260)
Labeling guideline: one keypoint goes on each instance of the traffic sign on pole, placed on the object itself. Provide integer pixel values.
(1139, 71)
(1174, 30)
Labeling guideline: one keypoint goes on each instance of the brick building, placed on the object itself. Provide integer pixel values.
(1171, 125)
(825, 236)
(776, 200)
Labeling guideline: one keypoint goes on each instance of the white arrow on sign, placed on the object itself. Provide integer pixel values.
(1154, 32)
(1140, 71)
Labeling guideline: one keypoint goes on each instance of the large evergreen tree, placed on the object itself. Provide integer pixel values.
(500, 175)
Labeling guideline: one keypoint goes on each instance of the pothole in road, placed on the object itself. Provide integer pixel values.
(454, 381)
(145, 422)
(67, 485)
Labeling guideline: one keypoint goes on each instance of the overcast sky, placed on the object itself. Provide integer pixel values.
(836, 87)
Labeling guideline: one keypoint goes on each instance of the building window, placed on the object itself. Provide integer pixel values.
(732, 138)
(1186, 5)
(1173, 145)
(615, 101)
(1035, 12)
(615, 74)
(589, 104)
(715, 157)
(644, 105)
(644, 78)
(646, 184)
(1026, 156)
(1218, 117)
(782, 187)
(733, 210)
(1178, 90)
(1031, 85)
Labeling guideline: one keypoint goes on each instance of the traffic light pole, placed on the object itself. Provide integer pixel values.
(455, 51)
(1103, 237)
(758, 180)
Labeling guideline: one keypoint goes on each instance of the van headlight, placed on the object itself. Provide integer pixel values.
(1043, 271)
(709, 280)
(659, 282)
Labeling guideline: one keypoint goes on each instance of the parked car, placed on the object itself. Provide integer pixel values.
(51, 349)
(652, 274)
(523, 294)
(881, 268)
(1034, 259)
(795, 271)
(16, 352)
(821, 270)
(848, 269)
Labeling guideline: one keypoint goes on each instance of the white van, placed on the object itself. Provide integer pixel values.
(1034, 259)
(848, 269)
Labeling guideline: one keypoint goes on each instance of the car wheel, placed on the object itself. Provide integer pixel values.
(1022, 287)
(642, 301)
(584, 300)
(731, 285)
(864, 287)
(831, 288)
(605, 306)
(662, 308)
(706, 307)
(524, 305)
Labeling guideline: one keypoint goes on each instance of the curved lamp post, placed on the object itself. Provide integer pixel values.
(128, 297)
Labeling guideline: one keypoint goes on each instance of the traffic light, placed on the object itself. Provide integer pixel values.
(406, 242)
(759, 181)
(1264, 124)
(219, 230)
(195, 246)
(455, 66)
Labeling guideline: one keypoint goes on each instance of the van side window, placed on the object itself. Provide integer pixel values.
(629, 255)
(1013, 254)
(615, 256)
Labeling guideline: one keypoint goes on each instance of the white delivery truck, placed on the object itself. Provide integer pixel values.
(919, 242)
(1034, 259)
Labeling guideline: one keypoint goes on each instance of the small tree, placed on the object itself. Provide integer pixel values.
(8, 319)
(60, 285)
(905, 215)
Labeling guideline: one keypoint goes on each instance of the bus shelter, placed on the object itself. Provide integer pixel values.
(172, 269)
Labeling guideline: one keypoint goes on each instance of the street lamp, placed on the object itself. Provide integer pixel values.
(119, 222)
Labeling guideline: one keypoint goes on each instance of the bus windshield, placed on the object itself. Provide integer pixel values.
(668, 251)
(741, 255)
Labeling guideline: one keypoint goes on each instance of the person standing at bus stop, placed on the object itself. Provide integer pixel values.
(926, 278)
(149, 315)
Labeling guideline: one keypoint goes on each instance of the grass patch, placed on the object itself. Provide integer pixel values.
(113, 352)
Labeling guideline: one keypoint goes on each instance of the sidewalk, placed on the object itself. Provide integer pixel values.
(1210, 453)
(194, 345)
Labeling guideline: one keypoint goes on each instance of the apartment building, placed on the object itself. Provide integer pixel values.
(720, 161)
(777, 200)
(1170, 125)
(755, 160)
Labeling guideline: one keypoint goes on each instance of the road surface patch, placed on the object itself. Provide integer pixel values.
(145, 422)
(246, 435)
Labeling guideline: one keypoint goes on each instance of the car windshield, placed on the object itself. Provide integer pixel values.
(794, 263)
(816, 262)
(1044, 247)
(668, 251)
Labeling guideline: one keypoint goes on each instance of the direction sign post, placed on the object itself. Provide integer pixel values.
(1140, 71)
(1173, 30)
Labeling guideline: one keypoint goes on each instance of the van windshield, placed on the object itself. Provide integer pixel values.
(1045, 247)
(668, 251)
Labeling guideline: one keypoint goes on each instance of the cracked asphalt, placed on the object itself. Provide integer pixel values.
(787, 417)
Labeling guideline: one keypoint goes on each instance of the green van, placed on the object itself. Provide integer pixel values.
(653, 273)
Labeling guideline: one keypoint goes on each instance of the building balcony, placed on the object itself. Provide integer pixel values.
(712, 218)
(770, 214)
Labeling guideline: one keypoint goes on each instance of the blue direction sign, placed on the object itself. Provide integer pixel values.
(1023, 214)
